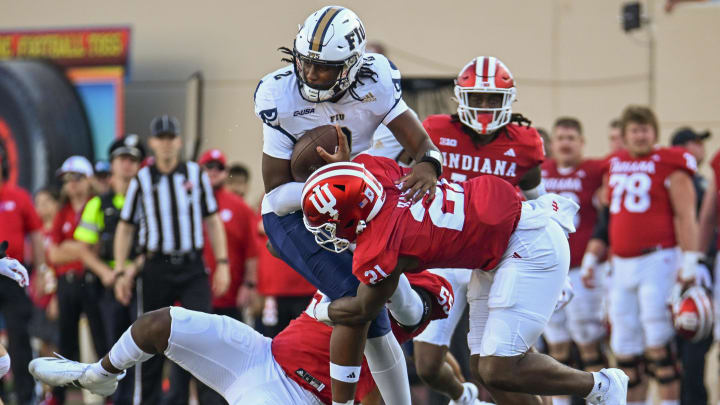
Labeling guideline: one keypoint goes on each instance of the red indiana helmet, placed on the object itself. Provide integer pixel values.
(485, 74)
(693, 314)
(338, 201)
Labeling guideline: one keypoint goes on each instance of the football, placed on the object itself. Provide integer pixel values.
(305, 159)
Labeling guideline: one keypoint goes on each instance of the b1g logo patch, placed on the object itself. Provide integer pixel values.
(448, 142)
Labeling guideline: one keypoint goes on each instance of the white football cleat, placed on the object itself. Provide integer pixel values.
(60, 372)
(615, 393)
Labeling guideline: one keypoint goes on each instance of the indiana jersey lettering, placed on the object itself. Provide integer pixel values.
(641, 216)
(467, 225)
(515, 151)
(287, 116)
(579, 184)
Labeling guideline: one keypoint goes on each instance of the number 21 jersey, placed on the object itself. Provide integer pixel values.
(467, 225)
(641, 214)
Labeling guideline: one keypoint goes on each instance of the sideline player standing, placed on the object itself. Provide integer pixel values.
(483, 138)
(519, 249)
(652, 213)
(333, 81)
(570, 175)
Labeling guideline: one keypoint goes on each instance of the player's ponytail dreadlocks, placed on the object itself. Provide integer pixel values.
(365, 72)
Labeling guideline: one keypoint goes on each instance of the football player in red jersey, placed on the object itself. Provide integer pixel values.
(519, 249)
(652, 213)
(232, 358)
(708, 223)
(570, 175)
(483, 138)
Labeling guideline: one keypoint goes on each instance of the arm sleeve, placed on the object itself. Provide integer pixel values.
(600, 231)
(283, 199)
(88, 230)
(132, 196)
(207, 197)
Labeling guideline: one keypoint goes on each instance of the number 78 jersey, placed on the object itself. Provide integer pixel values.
(641, 214)
(467, 225)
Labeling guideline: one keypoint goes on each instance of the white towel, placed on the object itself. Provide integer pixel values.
(536, 213)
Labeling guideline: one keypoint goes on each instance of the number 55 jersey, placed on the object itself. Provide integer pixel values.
(641, 214)
(467, 225)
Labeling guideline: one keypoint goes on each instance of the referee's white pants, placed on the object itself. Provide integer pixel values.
(233, 359)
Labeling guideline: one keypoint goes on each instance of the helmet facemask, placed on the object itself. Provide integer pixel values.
(346, 73)
(325, 236)
(484, 120)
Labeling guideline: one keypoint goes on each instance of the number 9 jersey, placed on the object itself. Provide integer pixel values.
(641, 214)
(467, 226)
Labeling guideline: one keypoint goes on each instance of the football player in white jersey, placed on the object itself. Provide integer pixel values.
(331, 80)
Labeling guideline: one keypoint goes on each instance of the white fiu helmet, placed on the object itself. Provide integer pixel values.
(485, 74)
(333, 37)
(693, 314)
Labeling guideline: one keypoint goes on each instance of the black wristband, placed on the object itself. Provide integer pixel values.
(437, 165)
(249, 284)
(221, 261)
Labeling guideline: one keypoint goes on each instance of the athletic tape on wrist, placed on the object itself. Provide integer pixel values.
(350, 402)
(321, 312)
(347, 374)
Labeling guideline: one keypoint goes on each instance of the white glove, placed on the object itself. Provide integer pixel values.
(14, 270)
(566, 295)
(702, 276)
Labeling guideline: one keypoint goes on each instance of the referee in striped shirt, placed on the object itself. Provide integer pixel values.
(170, 200)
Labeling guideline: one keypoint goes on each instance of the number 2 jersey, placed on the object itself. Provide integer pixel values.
(467, 225)
(579, 184)
(515, 151)
(361, 109)
(641, 214)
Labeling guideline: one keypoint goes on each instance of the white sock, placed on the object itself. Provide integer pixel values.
(561, 400)
(636, 403)
(405, 304)
(387, 365)
(670, 402)
(125, 353)
(600, 384)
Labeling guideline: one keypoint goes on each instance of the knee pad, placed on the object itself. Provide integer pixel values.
(636, 364)
(669, 360)
(4, 365)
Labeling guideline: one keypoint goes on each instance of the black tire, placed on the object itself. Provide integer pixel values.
(44, 120)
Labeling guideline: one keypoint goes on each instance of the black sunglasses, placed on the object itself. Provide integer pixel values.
(214, 166)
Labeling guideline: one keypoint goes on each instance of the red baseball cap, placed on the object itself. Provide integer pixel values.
(212, 155)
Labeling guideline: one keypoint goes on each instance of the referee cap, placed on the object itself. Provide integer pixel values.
(165, 125)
